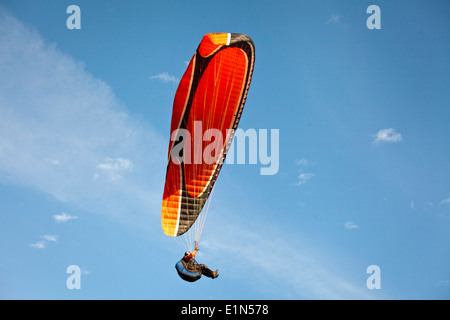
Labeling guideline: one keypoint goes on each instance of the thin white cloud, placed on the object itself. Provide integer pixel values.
(43, 244)
(334, 19)
(307, 271)
(63, 217)
(165, 77)
(115, 164)
(443, 283)
(350, 225)
(38, 245)
(303, 178)
(50, 237)
(387, 135)
(54, 162)
(58, 127)
(445, 201)
(302, 162)
(85, 271)
(114, 168)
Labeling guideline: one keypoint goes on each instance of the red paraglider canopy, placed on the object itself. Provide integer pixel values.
(207, 107)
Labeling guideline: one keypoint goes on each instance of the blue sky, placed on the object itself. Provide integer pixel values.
(364, 151)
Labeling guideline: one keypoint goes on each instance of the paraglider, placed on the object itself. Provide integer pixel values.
(207, 107)
(188, 269)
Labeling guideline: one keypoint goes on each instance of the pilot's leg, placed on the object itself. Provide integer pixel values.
(208, 272)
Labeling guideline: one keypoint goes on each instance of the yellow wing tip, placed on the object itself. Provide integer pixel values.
(219, 38)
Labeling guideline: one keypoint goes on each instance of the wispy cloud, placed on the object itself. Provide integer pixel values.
(54, 162)
(307, 269)
(443, 283)
(165, 77)
(115, 164)
(303, 178)
(387, 135)
(445, 201)
(350, 225)
(58, 127)
(49, 237)
(43, 244)
(114, 168)
(38, 245)
(302, 162)
(85, 271)
(63, 217)
(334, 19)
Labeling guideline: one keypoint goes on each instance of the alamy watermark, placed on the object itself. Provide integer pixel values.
(74, 20)
(374, 20)
(74, 280)
(374, 280)
(207, 147)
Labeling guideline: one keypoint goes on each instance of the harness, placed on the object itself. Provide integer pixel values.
(186, 273)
